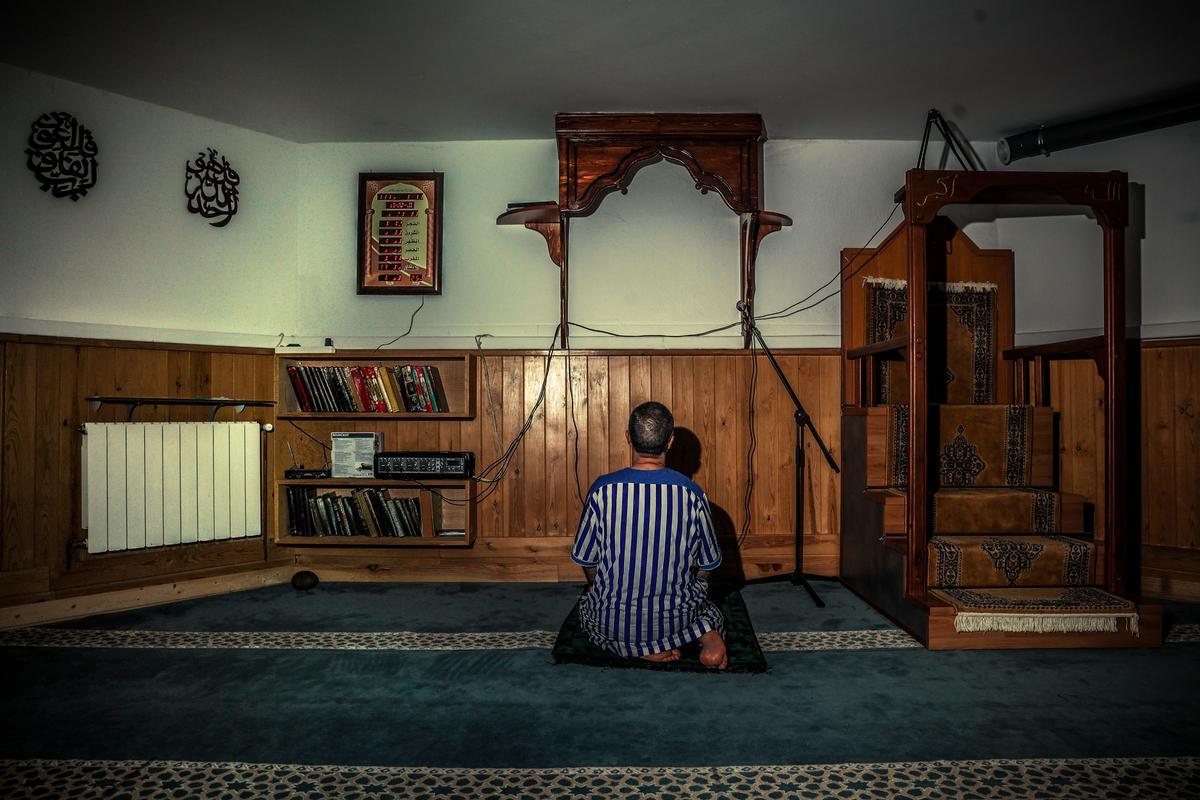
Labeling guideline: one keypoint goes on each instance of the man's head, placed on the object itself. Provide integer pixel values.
(651, 427)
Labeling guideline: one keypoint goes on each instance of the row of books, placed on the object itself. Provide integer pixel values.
(351, 512)
(369, 389)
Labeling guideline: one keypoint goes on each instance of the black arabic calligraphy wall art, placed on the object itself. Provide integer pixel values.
(62, 154)
(211, 187)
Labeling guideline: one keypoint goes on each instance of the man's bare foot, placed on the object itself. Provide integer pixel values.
(666, 655)
(712, 651)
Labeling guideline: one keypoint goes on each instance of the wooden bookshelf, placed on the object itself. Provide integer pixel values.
(457, 371)
(445, 505)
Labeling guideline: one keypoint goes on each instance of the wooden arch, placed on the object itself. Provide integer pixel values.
(600, 153)
(924, 194)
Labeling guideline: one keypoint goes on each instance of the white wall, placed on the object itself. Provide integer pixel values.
(128, 262)
(1059, 259)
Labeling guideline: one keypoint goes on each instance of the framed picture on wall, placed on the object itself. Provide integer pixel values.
(399, 220)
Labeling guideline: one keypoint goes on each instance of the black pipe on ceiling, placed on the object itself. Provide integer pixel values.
(1139, 119)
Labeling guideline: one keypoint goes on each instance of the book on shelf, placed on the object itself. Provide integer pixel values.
(366, 512)
(368, 389)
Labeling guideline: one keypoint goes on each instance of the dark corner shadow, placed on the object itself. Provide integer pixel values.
(685, 456)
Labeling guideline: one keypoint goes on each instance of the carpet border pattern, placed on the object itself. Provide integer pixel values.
(1162, 778)
(770, 641)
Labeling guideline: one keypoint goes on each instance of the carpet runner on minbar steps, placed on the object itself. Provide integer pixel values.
(1000, 561)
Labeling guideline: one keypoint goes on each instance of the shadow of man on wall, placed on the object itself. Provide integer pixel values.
(685, 457)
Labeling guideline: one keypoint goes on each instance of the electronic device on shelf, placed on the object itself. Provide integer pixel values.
(293, 473)
(403, 465)
(297, 471)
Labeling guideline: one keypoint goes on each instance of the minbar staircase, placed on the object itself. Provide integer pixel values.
(992, 554)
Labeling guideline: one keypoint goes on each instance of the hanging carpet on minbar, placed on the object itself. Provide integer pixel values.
(745, 654)
(978, 445)
(997, 561)
(1056, 609)
(962, 316)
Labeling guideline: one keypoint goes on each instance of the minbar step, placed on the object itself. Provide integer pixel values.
(997, 511)
(985, 561)
(943, 636)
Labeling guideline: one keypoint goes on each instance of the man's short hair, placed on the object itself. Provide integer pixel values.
(650, 428)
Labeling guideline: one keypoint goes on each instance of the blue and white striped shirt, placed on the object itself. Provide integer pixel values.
(646, 532)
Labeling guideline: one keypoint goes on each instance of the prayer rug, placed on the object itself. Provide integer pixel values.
(745, 654)
(1077, 609)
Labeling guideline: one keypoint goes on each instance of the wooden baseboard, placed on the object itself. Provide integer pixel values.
(942, 635)
(151, 594)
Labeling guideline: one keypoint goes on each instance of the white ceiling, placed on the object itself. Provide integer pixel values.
(392, 70)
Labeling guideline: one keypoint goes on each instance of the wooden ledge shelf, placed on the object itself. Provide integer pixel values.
(530, 213)
(378, 541)
(96, 402)
(426, 416)
(600, 153)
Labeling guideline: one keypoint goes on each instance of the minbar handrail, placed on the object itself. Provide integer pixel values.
(1067, 349)
(894, 345)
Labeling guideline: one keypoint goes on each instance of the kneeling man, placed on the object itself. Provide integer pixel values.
(646, 544)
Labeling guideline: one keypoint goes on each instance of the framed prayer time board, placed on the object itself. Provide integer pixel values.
(399, 220)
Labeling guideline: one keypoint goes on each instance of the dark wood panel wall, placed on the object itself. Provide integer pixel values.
(527, 523)
(1169, 457)
(44, 385)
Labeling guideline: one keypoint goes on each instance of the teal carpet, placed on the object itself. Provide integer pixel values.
(445, 679)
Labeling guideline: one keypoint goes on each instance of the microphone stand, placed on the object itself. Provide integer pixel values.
(803, 422)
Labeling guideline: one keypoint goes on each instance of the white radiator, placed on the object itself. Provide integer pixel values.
(150, 484)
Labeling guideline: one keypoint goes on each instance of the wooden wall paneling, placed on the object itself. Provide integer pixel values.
(704, 417)
(486, 439)
(141, 372)
(513, 418)
(725, 455)
(578, 478)
(806, 378)
(19, 480)
(1159, 457)
(69, 522)
(662, 388)
(639, 384)
(533, 483)
(773, 458)
(744, 486)
(1187, 446)
(830, 423)
(50, 492)
(97, 377)
(555, 414)
(598, 434)
(687, 460)
(618, 411)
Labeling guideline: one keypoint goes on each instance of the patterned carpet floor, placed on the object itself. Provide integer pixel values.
(448, 690)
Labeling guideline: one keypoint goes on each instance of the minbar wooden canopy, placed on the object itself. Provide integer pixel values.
(600, 153)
